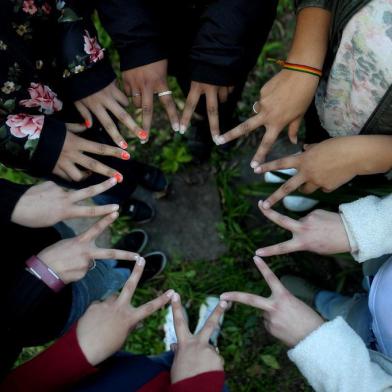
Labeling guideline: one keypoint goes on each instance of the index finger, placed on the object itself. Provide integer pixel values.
(168, 103)
(180, 324)
(129, 288)
(190, 106)
(151, 307)
(213, 111)
(253, 300)
(272, 280)
(267, 141)
(92, 191)
(288, 162)
(124, 117)
(147, 107)
(213, 322)
(97, 228)
(101, 149)
(289, 186)
(279, 219)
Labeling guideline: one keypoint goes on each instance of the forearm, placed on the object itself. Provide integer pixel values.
(310, 41)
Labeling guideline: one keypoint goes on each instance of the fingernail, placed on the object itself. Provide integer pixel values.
(119, 178)
(257, 259)
(259, 252)
(223, 304)
(259, 170)
(266, 205)
(114, 215)
(123, 144)
(113, 181)
(170, 293)
(125, 156)
(182, 129)
(87, 123)
(254, 164)
(260, 203)
(115, 207)
(175, 297)
(218, 140)
(143, 135)
(223, 296)
(176, 127)
(140, 261)
(295, 139)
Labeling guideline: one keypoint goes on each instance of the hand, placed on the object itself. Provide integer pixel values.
(102, 330)
(320, 232)
(194, 354)
(277, 108)
(326, 165)
(214, 95)
(285, 316)
(32, 208)
(110, 99)
(70, 259)
(142, 82)
(72, 155)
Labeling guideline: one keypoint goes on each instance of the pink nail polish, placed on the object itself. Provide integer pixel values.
(123, 144)
(143, 135)
(118, 176)
(87, 123)
(125, 156)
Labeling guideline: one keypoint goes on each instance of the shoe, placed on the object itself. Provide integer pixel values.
(205, 311)
(292, 203)
(135, 241)
(301, 288)
(199, 141)
(155, 264)
(139, 211)
(154, 180)
(170, 332)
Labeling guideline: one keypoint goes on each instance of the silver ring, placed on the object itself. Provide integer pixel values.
(92, 265)
(163, 93)
(136, 94)
(254, 107)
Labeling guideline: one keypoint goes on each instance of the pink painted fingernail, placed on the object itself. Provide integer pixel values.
(260, 252)
(123, 144)
(119, 178)
(266, 205)
(175, 297)
(176, 127)
(115, 207)
(254, 164)
(182, 129)
(143, 135)
(223, 296)
(113, 181)
(88, 123)
(170, 293)
(125, 156)
(140, 261)
(223, 304)
(258, 170)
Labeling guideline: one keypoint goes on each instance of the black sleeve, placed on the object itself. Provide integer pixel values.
(227, 28)
(133, 27)
(10, 193)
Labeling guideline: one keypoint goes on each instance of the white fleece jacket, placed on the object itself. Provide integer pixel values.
(334, 358)
(368, 223)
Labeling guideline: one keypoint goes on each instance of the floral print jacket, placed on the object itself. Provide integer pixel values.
(49, 53)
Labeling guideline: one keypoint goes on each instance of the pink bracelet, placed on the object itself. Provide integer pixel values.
(40, 270)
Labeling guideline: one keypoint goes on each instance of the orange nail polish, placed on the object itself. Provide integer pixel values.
(87, 123)
(124, 144)
(143, 135)
(125, 156)
(118, 177)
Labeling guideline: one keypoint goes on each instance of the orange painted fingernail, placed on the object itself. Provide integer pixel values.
(118, 176)
(87, 123)
(125, 156)
(123, 144)
(143, 135)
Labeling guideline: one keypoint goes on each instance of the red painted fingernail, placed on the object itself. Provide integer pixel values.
(87, 123)
(123, 144)
(125, 156)
(143, 135)
(118, 176)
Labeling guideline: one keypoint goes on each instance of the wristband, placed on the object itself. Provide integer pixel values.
(40, 270)
(298, 67)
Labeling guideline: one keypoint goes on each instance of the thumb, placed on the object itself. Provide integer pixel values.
(293, 130)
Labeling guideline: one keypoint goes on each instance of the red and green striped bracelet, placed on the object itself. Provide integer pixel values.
(298, 67)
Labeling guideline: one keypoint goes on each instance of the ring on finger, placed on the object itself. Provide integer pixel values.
(163, 93)
(92, 264)
(254, 107)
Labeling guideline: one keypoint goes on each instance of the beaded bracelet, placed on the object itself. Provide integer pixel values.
(298, 67)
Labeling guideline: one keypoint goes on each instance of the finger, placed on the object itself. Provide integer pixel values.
(92, 211)
(289, 186)
(247, 299)
(308, 188)
(97, 228)
(147, 108)
(91, 191)
(278, 164)
(73, 172)
(108, 124)
(213, 322)
(96, 166)
(190, 106)
(61, 173)
(146, 310)
(120, 97)
(293, 129)
(102, 149)
(85, 113)
(170, 108)
(180, 324)
(242, 129)
(279, 249)
(129, 288)
(223, 94)
(75, 128)
(266, 144)
(281, 220)
(231, 89)
(114, 254)
(124, 117)
(213, 112)
(307, 147)
(272, 280)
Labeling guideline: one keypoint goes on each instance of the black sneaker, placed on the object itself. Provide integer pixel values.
(135, 241)
(154, 180)
(138, 211)
(155, 264)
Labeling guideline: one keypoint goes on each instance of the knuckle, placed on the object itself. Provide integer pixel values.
(92, 211)
(212, 110)
(147, 109)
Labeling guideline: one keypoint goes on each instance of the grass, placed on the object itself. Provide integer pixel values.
(253, 360)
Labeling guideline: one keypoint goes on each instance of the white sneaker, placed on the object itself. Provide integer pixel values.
(205, 311)
(170, 331)
(292, 203)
